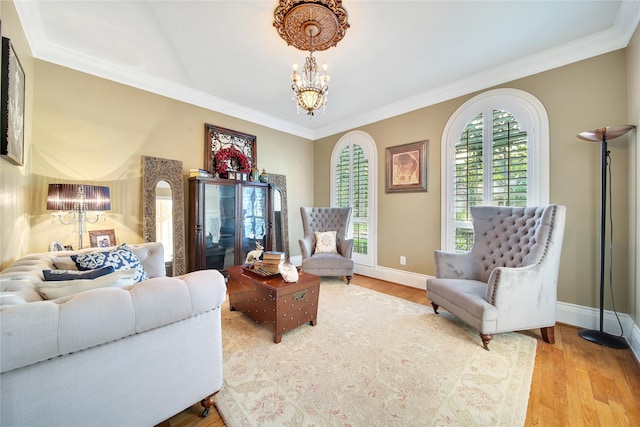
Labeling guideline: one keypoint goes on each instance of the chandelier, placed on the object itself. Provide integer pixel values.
(310, 89)
(310, 25)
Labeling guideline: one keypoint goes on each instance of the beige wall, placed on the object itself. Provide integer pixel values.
(578, 97)
(83, 128)
(90, 129)
(14, 180)
(633, 75)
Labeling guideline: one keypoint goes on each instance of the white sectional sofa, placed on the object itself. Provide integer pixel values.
(130, 355)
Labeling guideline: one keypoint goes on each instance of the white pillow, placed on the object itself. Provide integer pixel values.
(64, 263)
(326, 242)
(63, 288)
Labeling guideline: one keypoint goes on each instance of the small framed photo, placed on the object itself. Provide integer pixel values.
(407, 167)
(102, 238)
(12, 105)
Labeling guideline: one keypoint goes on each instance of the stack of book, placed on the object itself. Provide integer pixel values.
(271, 260)
(200, 172)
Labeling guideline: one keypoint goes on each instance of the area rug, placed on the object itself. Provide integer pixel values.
(372, 360)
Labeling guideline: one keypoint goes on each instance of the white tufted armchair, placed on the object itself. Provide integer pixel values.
(508, 281)
(336, 262)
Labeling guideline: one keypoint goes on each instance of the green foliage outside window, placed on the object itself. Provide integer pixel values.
(508, 176)
(352, 189)
(464, 239)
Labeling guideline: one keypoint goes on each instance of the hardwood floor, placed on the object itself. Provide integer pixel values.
(575, 382)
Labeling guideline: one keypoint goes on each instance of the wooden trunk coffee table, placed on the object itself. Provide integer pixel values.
(273, 303)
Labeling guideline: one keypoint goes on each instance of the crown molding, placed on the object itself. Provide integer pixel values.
(597, 44)
(45, 51)
(174, 91)
(616, 37)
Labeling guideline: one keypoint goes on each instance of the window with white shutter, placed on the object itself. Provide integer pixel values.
(495, 152)
(353, 179)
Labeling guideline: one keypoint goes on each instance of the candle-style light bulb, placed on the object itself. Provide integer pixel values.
(295, 77)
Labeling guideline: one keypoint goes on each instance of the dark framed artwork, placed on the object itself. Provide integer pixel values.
(102, 238)
(216, 138)
(407, 167)
(12, 110)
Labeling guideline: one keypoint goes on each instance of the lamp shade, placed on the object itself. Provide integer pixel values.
(68, 197)
(607, 133)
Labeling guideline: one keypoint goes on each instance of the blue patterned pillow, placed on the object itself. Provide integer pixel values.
(120, 258)
(57, 275)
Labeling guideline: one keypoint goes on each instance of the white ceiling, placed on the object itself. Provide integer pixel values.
(396, 57)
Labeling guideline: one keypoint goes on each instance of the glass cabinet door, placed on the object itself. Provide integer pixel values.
(219, 225)
(254, 218)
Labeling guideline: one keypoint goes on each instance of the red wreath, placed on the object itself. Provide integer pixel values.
(233, 154)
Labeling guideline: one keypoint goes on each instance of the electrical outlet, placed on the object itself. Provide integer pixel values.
(403, 260)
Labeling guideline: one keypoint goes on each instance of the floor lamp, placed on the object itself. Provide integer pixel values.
(601, 135)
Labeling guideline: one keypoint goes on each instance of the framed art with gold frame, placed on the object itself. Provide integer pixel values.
(407, 167)
(102, 238)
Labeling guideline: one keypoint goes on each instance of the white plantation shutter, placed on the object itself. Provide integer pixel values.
(352, 187)
(489, 162)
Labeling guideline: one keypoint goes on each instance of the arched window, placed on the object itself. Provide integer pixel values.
(495, 152)
(354, 168)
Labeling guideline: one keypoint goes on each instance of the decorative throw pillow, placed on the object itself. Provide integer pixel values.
(326, 242)
(63, 288)
(57, 275)
(120, 258)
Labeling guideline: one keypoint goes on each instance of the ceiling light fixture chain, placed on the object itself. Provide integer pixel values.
(310, 25)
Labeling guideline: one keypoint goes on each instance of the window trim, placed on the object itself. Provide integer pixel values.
(364, 140)
(532, 117)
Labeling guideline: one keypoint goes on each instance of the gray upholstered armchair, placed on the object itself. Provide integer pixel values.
(326, 251)
(508, 281)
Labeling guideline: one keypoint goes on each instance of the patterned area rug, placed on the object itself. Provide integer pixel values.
(372, 360)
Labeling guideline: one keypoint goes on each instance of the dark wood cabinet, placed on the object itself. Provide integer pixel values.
(226, 219)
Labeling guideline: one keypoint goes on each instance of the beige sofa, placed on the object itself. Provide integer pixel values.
(130, 355)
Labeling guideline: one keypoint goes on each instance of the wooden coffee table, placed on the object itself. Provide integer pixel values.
(273, 303)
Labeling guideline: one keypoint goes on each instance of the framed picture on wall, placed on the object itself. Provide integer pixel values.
(12, 108)
(217, 138)
(407, 167)
(102, 238)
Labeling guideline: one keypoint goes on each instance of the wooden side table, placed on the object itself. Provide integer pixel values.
(273, 303)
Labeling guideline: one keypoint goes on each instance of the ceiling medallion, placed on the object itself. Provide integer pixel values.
(295, 18)
(310, 25)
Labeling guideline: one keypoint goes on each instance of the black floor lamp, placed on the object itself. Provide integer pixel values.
(601, 135)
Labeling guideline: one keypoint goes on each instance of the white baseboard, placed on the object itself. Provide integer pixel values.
(589, 318)
(634, 340)
(571, 314)
(402, 277)
(407, 278)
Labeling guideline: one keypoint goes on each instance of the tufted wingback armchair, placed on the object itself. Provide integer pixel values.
(321, 220)
(508, 281)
